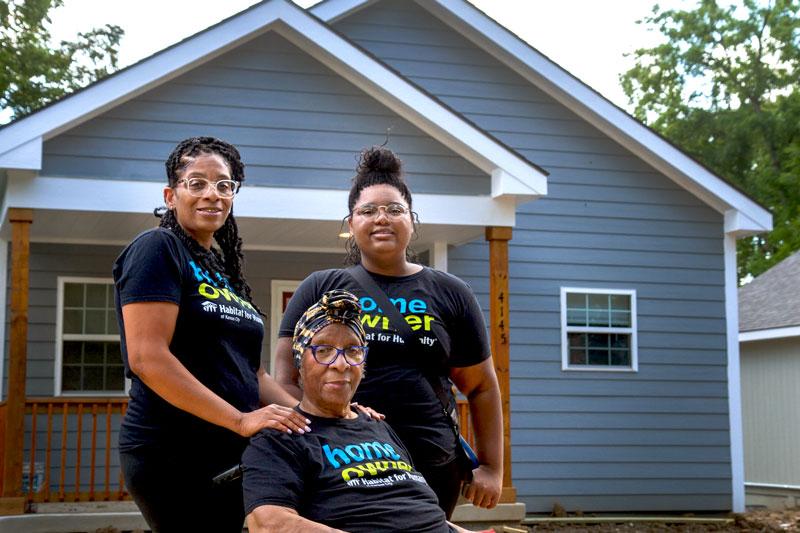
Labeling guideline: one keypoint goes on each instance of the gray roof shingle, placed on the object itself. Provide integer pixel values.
(772, 300)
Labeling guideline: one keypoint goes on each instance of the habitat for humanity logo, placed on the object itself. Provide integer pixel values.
(210, 307)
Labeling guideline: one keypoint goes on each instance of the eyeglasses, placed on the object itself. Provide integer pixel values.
(325, 354)
(199, 186)
(393, 210)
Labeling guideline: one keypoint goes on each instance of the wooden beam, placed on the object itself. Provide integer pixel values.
(498, 238)
(14, 438)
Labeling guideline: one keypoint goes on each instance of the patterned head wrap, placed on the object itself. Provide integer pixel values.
(336, 306)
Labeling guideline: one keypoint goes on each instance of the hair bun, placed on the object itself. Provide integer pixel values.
(379, 160)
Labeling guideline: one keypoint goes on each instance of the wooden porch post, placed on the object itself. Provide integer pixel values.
(498, 237)
(12, 501)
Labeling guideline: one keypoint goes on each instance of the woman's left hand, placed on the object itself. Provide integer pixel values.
(369, 411)
(485, 487)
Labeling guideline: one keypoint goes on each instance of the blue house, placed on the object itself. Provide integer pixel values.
(604, 256)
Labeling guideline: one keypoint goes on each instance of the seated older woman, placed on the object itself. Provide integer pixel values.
(351, 473)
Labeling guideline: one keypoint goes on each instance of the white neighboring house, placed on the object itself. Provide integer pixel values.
(769, 336)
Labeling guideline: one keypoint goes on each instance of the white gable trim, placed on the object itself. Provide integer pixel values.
(739, 224)
(598, 111)
(123, 196)
(768, 334)
(332, 10)
(408, 101)
(504, 185)
(314, 37)
(140, 77)
(26, 156)
(589, 105)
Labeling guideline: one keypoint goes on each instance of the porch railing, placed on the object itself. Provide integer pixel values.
(464, 423)
(70, 451)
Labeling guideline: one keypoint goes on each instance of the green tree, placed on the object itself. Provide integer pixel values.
(724, 87)
(33, 72)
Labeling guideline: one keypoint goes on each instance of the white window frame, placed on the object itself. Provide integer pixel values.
(277, 287)
(60, 338)
(565, 330)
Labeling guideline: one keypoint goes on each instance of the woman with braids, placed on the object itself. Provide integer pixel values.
(191, 343)
(448, 341)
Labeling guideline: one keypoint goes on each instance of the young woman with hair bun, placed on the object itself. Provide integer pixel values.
(191, 344)
(452, 344)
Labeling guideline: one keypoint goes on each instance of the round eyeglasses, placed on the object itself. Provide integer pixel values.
(325, 354)
(393, 210)
(199, 186)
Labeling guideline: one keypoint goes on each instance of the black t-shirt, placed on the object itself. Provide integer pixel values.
(451, 332)
(348, 473)
(217, 338)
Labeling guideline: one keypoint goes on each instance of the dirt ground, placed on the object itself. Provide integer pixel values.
(752, 522)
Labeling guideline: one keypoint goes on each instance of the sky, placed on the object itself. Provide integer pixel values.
(586, 37)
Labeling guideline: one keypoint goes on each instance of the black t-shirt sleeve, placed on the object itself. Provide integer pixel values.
(150, 271)
(304, 297)
(469, 340)
(272, 471)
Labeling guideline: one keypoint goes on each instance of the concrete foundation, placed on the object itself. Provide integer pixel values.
(477, 519)
(772, 497)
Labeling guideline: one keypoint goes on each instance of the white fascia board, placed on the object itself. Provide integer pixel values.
(141, 77)
(83, 194)
(740, 225)
(332, 10)
(120, 196)
(768, 334)
(591, 106)
(408, 101)
(27, 156)
(504, 185)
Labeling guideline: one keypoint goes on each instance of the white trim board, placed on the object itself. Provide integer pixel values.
(734, 376)
(587, 103)
(767, 334)
(317, 39)
(125, 196)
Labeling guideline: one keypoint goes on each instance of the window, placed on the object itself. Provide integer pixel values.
(88, 358)
(598, 329)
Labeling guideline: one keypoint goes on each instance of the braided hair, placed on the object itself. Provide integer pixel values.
(377, 166)
(229, 261)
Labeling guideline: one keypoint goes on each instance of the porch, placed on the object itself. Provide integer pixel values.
(63, 448)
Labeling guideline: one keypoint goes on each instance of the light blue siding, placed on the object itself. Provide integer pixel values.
(296, 123)
(652, 440)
